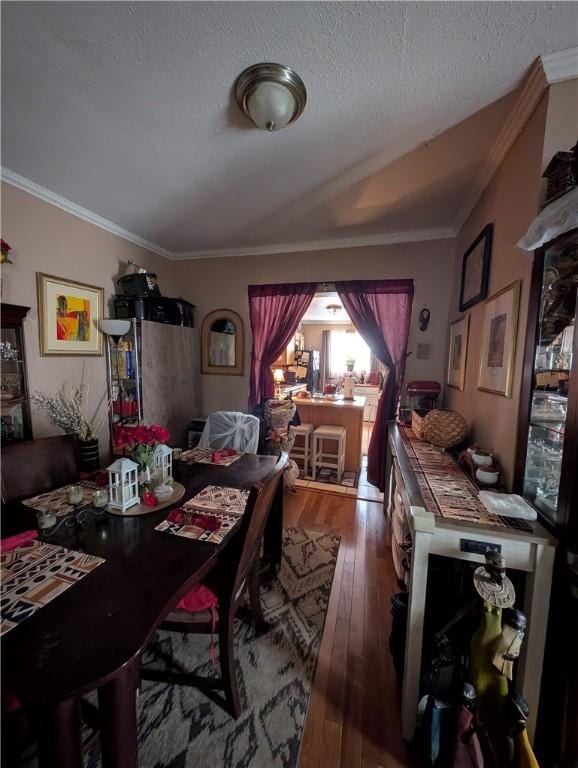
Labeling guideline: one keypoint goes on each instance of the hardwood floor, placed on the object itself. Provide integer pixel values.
(354, 711)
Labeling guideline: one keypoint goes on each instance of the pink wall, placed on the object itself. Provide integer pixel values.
(47, 239)
(511, 202)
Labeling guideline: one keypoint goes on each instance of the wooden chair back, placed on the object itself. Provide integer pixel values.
(254, 521)
(35, 466)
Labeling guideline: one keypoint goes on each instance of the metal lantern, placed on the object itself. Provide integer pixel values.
(163, 462)
(123, 484)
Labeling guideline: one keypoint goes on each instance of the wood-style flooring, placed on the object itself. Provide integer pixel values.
(354, 711)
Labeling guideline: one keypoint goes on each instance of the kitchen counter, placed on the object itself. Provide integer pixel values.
(357, 402)
(291, 389)
(337, 413)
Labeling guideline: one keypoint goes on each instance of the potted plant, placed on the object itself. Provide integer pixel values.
(68, 410)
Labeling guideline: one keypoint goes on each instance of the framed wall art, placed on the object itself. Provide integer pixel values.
(476, 269)
(499, 330)
(68, 316)
(458, 352)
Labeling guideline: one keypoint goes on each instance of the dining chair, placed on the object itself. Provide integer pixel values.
(212, 606)
(231, 429)
(35, 466)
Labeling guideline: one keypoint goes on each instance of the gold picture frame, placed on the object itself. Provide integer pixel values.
(69, 313)
(499, 334)
(223, 343)
(458, 353)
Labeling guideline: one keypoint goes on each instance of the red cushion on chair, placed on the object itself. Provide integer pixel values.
(200, 598)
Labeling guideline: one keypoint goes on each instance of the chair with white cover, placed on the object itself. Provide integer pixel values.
(231, 429)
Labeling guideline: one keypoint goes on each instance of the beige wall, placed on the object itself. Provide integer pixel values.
(47, 239)
(313, 332)
(510, 202)
(561, 131)
(218, 283)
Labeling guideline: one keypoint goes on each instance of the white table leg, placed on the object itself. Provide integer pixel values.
(414, 634)
(536, 604)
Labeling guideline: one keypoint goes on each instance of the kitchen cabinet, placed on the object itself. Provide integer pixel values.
(288, 356)
(371, 394)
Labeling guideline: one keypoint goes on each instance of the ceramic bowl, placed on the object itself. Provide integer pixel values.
(163, 492)
(482, 459)
(487, 476)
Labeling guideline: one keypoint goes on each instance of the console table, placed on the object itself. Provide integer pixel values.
(530, 550)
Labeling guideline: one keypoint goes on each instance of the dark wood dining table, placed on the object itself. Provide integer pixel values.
(92, 636)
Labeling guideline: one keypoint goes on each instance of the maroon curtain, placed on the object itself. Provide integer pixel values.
(381, 312)
(275, 312)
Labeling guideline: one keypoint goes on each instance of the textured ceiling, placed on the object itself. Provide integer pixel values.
(126, 109)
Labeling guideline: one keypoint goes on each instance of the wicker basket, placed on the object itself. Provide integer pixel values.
(417, 417)
(444, 428)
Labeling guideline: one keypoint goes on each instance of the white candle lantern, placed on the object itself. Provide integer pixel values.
(123, 484)
(163, 462)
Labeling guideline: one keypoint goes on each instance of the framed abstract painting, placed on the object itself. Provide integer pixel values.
(499, 331)
(476, 269)
(68, 315)
(458, 352)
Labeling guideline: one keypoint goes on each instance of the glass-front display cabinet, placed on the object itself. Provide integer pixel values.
(550, 480)
(15, 420)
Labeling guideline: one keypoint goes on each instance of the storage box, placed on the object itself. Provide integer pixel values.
(417, 417)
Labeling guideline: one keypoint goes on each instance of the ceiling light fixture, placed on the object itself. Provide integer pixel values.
(271, 95)
(334, 308)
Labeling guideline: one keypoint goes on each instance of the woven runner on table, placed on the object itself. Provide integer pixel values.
(446, 490)
(56, 501)
(34, 574)
(209, 516)
(205, 456)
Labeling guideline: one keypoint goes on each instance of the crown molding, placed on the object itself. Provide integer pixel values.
(561, 65)
(531, 91)
(15, 180)
(411, 236)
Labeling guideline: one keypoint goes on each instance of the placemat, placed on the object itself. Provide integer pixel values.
(56, 500)
(446, 489)
(205, 456)
(218, 503)
(34, 574)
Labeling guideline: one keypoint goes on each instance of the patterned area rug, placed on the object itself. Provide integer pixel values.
(180, 728)
(327, 475)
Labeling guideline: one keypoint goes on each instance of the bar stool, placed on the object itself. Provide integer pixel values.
(303, 452)
(332, 460)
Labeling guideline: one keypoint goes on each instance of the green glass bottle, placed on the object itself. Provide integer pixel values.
(490, 684)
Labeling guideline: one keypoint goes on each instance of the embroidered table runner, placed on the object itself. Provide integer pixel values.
(34, 574)
(446, 489)
(205, 456)
(208, 516)
(56, 502)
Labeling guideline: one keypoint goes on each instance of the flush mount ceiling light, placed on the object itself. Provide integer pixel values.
(334, 308)
(271, 95)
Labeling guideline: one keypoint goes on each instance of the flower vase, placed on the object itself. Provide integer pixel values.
(89, 455)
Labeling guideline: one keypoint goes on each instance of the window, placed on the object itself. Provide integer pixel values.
(344, 347)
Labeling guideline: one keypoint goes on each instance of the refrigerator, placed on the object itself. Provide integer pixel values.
(547, 476)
